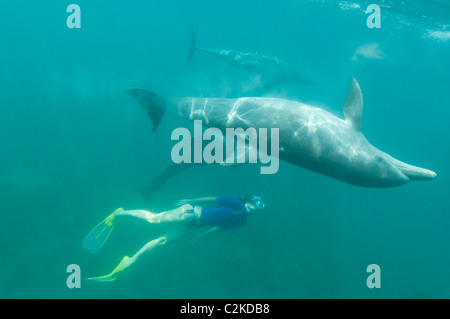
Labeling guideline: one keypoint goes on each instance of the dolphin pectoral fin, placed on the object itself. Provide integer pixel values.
(192, 47)
(148, 195)
(161, 178)
(152, 102)
(354, 105)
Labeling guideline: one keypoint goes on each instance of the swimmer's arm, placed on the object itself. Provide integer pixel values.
(212, 230)
(197, 200)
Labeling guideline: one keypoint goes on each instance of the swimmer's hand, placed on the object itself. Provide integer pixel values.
(212, 230)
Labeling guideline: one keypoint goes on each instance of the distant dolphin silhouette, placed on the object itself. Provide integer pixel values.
(309, 137)
(269, 71)
(368, 51)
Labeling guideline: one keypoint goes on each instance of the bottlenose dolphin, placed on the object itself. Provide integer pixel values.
(267, 71)
(309, 137)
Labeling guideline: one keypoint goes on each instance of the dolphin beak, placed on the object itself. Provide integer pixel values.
(414, 173)
(418, 174)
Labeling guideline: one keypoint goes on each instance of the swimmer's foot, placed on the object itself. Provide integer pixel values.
(113, 275)
(98, 236)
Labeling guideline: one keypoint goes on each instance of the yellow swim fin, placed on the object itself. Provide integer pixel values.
(98, 236)
(113, 275)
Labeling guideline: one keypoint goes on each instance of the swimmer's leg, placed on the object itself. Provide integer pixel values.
(173, 234)
(183, 213)
(98, 236)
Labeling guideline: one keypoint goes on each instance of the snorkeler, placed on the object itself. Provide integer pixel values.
(223, 213)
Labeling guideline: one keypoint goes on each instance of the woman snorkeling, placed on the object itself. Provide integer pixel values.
(217, 213)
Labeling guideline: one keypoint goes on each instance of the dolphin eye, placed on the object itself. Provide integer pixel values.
(379, 160)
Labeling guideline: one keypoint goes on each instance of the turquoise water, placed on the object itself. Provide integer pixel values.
(75, 147)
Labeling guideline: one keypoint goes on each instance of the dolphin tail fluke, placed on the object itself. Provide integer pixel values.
(153, 103)
(192, 47)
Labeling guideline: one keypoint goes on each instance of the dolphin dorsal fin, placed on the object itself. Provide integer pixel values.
(354, 105)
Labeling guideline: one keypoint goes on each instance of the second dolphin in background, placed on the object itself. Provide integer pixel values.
(267, 72)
